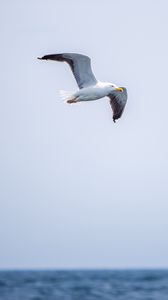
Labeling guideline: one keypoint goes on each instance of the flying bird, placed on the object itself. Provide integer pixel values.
(89, 87)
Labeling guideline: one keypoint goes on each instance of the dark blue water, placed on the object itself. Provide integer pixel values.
(84, 285)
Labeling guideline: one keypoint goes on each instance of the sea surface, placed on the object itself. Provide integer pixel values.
(84, 285)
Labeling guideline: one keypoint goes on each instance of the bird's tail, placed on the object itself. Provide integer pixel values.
(66, 95)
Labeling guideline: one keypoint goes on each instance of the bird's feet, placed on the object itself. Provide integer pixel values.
(72, 101)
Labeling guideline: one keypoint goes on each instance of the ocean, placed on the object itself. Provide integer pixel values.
(84, 285)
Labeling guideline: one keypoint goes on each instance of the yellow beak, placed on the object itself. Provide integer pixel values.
(119, 89)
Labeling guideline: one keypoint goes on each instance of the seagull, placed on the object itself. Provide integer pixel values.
(89, 87)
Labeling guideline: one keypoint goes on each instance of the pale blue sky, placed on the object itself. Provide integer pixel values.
(77, 190)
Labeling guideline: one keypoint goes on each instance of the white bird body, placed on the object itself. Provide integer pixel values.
(97, 91)
(89, 87)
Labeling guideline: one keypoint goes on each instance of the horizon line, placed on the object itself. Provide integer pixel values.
(84, 269)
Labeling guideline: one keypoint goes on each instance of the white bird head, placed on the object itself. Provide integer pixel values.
(114, 87)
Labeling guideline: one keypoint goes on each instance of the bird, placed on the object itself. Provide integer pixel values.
(89, 87)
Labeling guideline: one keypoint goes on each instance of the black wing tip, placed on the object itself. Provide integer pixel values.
(43, 57)
(58, 57)
(116, 117)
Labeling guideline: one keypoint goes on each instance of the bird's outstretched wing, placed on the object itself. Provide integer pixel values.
(118, 101)
(80, 66)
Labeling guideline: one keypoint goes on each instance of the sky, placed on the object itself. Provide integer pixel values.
(77, 190)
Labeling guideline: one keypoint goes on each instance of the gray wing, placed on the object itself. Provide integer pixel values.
(80, 66)
(118, 101)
